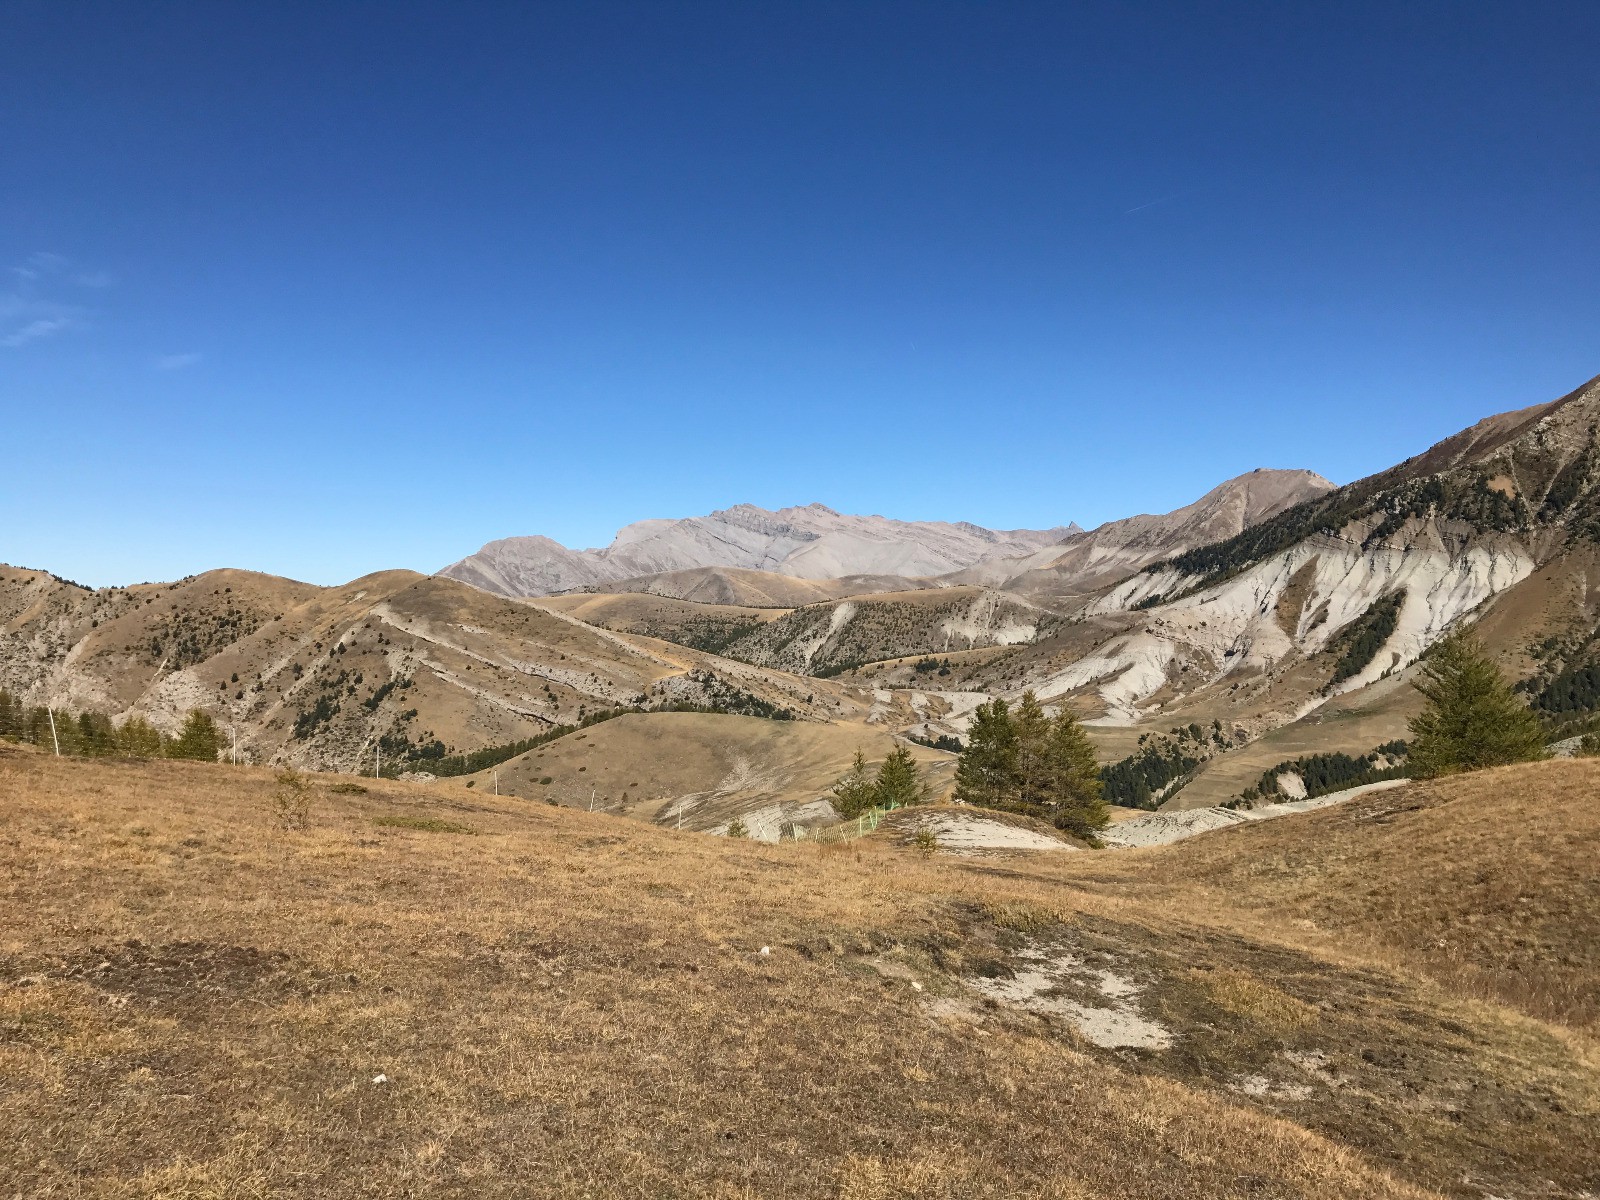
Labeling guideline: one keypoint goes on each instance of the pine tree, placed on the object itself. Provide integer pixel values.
(199, 738)
(857, 791)
(986, 773)
(898, 784)
(137, 738)
(1473, 719)
(1075, 783)
(1031, 727)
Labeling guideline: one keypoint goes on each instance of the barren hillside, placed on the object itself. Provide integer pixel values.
(698, 771)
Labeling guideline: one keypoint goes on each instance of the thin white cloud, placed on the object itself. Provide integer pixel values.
(41, 327)
(34, 307)
(176, 362)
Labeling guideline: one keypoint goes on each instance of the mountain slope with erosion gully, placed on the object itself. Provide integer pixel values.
(1306, 627)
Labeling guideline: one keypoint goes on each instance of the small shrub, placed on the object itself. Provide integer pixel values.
(1022, 917)
(737, 828)
(292, 800)
(348, 789)
(926, 842)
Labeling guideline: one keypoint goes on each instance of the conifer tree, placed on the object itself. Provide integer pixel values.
(1473, 719)
(1031, 728)
(199, 738)
(898, 784)
(137, 738)
(986, 774)
(11, 715)
(1075, 783)
(857, 791)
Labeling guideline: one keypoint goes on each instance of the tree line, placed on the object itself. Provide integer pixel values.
(1323, 774)
(95, 735)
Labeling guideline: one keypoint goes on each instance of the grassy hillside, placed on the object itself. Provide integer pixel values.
(713, 766)
(418, 666)
(1486, 882)
(709, 627)
(430, 992)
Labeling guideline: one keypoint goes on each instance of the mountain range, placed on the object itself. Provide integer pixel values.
(1275, 617)
(813, 542)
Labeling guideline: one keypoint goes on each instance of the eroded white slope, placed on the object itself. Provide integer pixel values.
(1234, 626)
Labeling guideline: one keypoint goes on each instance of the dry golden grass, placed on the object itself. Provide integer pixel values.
(194, 1003)
(1487, 882)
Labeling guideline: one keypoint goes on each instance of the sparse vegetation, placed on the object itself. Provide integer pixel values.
(291, 801)
(1349, 993)
(423, 824)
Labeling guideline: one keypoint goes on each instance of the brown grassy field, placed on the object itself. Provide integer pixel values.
(432, 992)
(1488, 883)
(713, 766)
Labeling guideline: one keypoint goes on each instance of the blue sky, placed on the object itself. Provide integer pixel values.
(320, 289)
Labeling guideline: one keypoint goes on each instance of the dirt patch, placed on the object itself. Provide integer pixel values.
(1106, 1016)
(185, 973)
(1292, 600)
(1358, 1054)
(963, 834)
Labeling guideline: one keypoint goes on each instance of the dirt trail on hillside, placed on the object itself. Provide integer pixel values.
(1162, 828)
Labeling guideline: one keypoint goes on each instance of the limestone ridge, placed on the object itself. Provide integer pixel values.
(812, 542)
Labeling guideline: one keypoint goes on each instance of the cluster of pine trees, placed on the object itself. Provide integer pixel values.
(1141, 779)
(93, 735)
(1025, 761)
(1361, 640)
(895, 784)
(1323, 774)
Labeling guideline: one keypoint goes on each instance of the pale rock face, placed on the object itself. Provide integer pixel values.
(1233, 625)
(813, 542)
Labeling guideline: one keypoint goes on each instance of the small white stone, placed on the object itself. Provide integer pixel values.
(766, 949)
(915, 986)
(380, 1079)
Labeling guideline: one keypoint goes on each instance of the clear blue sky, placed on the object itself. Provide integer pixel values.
(322, 288)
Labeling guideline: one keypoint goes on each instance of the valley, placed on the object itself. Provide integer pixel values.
(1276, 617)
